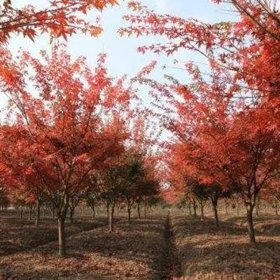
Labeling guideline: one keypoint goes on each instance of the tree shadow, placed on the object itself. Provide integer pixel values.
(231, 258)
(139, 245)
(22, 236)
(226, 251)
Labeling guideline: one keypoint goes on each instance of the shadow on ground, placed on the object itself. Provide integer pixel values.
(133, 251)
(224, 252)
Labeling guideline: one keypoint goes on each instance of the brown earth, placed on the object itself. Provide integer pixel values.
(206, 252)
(131, 252)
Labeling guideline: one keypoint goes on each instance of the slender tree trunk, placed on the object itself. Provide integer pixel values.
(21, 213)
(258, 207)
(71, 215)
(138, 210)
(129, 214)
(108, 210)
(93, 210)
(226, 207)
(111, 216)
(145, 210)
(276, 208)
(38, 212)
(190, 209)
(61, 236)
(129, 205)
(44, 212)
(250, 225)
(194, 209)
(215, 210)
(201, 211)
(53, 212)
(29, 213)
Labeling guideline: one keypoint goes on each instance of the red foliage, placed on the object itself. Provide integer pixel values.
(64, 123)
(60, 18)
(225, 124)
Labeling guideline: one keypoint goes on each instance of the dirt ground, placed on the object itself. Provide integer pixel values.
(206, 252)
(133, 251)
(17, 234)
(155, 248)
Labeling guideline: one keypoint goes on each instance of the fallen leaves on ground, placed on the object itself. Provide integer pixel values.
(18, 235)
(206, 252)
(130, 252)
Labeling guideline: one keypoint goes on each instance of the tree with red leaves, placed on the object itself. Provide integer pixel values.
(226, 121)
(60, 18)
(248, 49)
(64, 123)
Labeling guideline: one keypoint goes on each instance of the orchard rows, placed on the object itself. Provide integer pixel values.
(73, 136)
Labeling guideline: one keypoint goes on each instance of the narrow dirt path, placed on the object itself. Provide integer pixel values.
(171, 263)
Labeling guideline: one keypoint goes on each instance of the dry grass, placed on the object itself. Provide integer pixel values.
(206, 252)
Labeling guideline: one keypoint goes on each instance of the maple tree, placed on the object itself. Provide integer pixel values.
(226, 122)
(64, 123)
(132, 178)
(92, 196)
(60, 18)
(237, 153)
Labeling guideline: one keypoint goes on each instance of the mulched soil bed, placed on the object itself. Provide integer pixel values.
(206, 252)
(18, 235)
(131, 252)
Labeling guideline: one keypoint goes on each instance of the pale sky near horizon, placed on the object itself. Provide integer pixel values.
(123, 57)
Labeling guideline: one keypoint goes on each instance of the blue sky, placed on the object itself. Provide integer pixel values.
(122, 55)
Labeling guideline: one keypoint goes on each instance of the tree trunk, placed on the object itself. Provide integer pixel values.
(138, 210)
(215, 210)
(93, 210)
(21, 213)
(201, 211)
(111, 217)
(129, 214)
(61, 236)
(38, 212)
(145, 210)
(71, 215)
(250, 225)
(226, 208)
(44, 212)
(53, 212)
(108, 210)
(258, 207)
(129, 205)
(194, 209)
(29, 213)
(276, 208)
(190, 209)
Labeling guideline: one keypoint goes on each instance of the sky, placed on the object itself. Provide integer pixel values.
(123, 57)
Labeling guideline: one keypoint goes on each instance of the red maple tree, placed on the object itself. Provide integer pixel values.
(64, 123)
(60, 18)
(226, 122)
